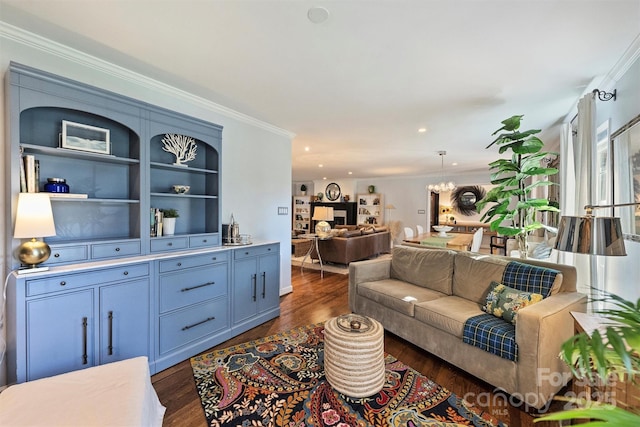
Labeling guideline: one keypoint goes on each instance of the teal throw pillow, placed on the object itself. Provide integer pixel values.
(504, 302)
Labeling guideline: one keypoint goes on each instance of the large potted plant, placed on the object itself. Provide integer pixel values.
(614, 353)
(513, 210)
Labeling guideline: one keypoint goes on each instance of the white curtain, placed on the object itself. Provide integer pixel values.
(583, 148)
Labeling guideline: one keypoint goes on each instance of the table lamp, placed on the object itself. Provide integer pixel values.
(592, 235)
(323, 214)
(34, 218)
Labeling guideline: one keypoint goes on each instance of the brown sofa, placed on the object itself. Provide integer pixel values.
(347, 245)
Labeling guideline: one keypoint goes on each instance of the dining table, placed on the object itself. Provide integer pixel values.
(457, 241)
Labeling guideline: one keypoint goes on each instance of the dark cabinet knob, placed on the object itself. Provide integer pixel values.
(126, 273)
(169, 244)
(117, 249)
(56, 255)
(179, 264)
(63, 283)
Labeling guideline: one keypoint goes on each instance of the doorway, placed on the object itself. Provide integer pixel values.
(434, 199)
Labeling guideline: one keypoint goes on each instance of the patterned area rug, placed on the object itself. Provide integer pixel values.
(279, 381)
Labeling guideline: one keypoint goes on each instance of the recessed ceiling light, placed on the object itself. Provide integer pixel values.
(320, 166)
(422, 130)
(318, 14)
(307, 148)
(350, 173)
(324, 177)
(454, 164)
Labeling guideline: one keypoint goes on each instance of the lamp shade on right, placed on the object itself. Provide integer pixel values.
(591, 235)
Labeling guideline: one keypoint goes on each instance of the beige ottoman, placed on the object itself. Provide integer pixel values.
(354, 355)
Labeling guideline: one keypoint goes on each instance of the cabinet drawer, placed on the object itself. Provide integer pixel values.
(250, 251)
(169, 244)
(183, 263)
(204, 241)
(74, 281)
(184, 288)
(65, 254)
(117, 249)
(192, 323)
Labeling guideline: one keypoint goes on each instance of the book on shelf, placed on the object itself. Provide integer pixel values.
(30, 172)
(36, 175)
(23, 177)
(155, 219)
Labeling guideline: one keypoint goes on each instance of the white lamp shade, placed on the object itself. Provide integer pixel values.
(34, 217)
(323, 213)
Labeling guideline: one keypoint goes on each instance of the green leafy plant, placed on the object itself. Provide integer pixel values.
(170, 213)
(513, 210)
(613, 353)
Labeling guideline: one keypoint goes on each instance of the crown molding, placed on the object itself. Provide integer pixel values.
(622, 66)
(35, 41)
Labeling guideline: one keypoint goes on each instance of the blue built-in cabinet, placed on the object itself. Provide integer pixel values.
(115, 290)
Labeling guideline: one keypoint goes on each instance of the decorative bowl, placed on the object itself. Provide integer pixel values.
(181, 189)
(442, 229)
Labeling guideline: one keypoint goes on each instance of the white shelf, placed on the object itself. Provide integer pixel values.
(370, 208)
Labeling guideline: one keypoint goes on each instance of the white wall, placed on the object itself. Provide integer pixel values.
(256, 157)
(407, 194)
(621, 273)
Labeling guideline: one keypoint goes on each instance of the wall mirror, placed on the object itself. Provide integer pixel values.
(625, 173)
(333, 192)
(464, 199)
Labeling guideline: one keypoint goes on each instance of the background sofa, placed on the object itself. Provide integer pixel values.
(431, 297)
(355, 244)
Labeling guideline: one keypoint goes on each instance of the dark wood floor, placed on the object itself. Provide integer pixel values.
(313, 300)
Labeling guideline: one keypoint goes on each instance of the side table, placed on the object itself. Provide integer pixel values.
(354, 355)
(313, 245)
(626, 393)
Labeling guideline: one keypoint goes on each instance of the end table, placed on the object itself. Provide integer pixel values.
(313, 245)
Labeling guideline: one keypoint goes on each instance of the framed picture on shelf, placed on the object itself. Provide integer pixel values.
(78, 136)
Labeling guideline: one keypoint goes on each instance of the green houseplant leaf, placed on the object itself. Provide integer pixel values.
(513, 212)
(601, 355)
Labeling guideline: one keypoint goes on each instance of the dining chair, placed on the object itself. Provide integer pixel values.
(408, 233)
(420, 229)
(477, 240)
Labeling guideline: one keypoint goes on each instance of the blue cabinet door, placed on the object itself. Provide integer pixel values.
(60, 335)
(245, 289)
(124, 320)
(269, 282)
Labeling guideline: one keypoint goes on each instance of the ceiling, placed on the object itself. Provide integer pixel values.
(356, 88)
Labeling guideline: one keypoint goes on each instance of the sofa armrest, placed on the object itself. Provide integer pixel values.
(541, 330)
(366, 271)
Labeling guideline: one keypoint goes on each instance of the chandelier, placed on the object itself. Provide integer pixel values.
(443, 186)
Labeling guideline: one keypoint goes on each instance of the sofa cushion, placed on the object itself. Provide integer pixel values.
(504, 302)
(397, 295)
(351, 233)
(448, 314)
(491, 334)
(429, 268)
(474, 273)
(531, 278)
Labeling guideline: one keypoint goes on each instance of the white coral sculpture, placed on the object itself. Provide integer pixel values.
(183, 147)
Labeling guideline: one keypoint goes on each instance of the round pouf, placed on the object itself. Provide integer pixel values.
(354, 355)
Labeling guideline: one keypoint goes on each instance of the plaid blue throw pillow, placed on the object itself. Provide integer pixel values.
(529, 278)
